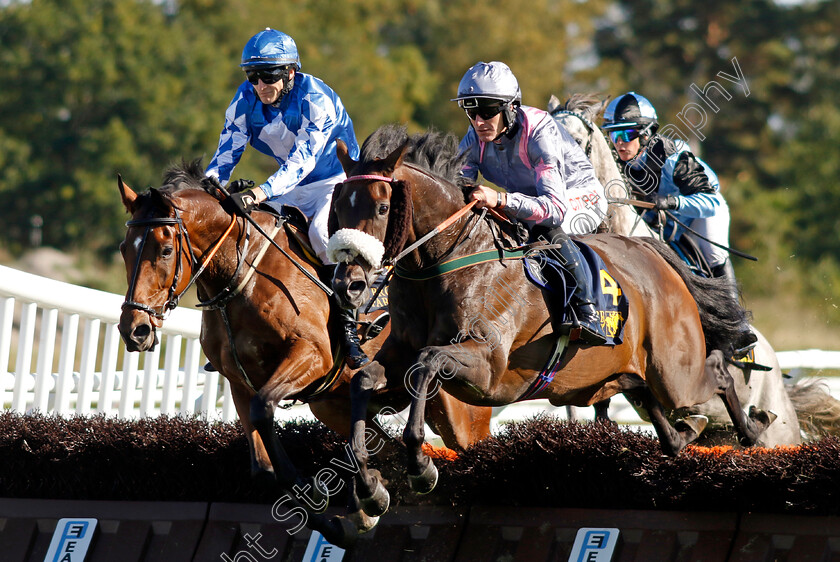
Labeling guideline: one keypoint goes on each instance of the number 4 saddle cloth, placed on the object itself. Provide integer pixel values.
(544, 268)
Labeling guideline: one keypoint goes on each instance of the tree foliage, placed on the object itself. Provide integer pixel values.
(92, 88)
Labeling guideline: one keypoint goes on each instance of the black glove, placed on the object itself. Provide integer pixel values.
(239, 185)
(665, 203)
(241, 203)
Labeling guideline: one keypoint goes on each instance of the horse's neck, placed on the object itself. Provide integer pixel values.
(435, 201)
(622, 218)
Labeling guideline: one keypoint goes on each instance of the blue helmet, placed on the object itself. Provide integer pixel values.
(493, 80)
(631, 111)
(270, 48)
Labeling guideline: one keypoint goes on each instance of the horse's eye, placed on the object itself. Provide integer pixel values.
(383, 209)
(167, 251)
(122, 247)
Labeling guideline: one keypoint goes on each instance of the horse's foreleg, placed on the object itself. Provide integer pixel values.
(422, 473)
(373, 497)
(261, 469)
(749, 427)
(672, 439)
(310, 491)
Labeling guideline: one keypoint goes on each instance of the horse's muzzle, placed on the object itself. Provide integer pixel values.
(350, 284)
(137, 331)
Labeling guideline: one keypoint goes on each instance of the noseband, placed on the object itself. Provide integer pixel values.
(173, 296)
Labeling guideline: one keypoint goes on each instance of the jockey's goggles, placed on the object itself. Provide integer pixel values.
(481, 108)
(624, 135)
(269, 75)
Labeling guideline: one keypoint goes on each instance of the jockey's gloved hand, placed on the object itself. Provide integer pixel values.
(241, 203)
(239, 185)
(665, 202)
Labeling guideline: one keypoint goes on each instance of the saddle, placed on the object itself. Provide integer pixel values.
(558, 285)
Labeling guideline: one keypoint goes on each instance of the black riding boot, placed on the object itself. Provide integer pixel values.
(583, 300)
(746, 339)
(349, 333)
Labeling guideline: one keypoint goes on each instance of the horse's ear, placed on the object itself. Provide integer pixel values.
(393, 161)
(344, 156)
(127, 194)
(553, 103)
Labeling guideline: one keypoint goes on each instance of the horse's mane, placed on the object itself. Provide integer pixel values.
(588, 105)
(186, 175)
(432, 151)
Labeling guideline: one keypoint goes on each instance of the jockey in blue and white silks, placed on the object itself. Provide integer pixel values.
(550, 180)
(296, 119)
(300, 133)
(550, 184)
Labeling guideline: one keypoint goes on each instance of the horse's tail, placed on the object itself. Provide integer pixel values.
(817, 411)
(721, 315)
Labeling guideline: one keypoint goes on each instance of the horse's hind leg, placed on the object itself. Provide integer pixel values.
(748, 427)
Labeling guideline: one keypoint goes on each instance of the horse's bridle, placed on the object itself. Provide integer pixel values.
(589, 125)
(173, 295)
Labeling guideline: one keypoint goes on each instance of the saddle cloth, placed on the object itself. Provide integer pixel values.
(547, 273)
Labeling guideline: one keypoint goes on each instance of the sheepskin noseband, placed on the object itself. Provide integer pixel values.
(348, 243)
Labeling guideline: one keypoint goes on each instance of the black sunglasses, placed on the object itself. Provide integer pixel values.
(267, 75)
(485, 112)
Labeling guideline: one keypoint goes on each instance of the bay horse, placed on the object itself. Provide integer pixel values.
(801, 408)
(481, 331)
(264, 323)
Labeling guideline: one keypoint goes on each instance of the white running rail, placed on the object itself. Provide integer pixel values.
(94, 374)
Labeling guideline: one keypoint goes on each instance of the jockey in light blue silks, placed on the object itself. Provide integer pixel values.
(551, 185)
(664, 172)
(296, 119)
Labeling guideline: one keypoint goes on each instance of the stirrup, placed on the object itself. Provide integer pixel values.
(375, 327)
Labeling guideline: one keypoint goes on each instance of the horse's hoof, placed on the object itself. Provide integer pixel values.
(317, 493)
(378, 502)
(761, 417)
(426, 481)
(341, 532)
(694, 423)
(362, 521)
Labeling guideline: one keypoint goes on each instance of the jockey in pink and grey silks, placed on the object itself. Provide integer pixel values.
(549, 179)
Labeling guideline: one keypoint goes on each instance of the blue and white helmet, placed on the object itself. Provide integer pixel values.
(270, 47)
(631, 111)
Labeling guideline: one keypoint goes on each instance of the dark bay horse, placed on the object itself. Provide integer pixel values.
(481, 330)
(264, 324)
(802, 409)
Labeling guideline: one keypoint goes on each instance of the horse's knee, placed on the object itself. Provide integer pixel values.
(261, 409)
(368, 379)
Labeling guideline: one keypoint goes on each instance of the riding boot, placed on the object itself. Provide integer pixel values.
(583, 300)
(349, 334)
(746, 339)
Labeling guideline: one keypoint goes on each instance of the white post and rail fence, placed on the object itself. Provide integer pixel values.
(61, 353)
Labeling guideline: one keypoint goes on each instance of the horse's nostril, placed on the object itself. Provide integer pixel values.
(141, 332)
(356, 287)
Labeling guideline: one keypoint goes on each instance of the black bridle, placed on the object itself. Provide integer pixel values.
(186, 250)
